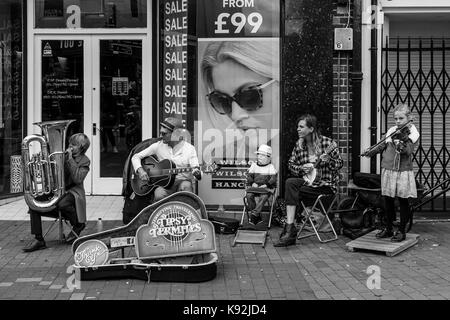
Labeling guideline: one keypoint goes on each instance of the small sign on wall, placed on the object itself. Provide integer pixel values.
(120, 86)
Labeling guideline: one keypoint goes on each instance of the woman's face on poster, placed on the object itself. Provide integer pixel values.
(229, 77)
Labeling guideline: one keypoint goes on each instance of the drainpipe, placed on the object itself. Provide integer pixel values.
(357, 77)
(378, 55)
(365, 134)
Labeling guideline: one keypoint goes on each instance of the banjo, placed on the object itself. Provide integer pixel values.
(315, 173)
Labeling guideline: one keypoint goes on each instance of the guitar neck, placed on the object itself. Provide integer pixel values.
(179, 170)
(327, 152)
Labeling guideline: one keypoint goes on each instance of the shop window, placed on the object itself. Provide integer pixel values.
(11, 61)
(91, 14)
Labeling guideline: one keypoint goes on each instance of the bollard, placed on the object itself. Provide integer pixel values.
(16, 179)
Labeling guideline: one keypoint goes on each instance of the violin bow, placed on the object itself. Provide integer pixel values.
(384, 139)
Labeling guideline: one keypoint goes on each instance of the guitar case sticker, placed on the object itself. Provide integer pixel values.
(175, 229)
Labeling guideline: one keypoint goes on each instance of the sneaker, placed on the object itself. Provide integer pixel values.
(254, 219)
(398, 237)
(385, 233)
(35, 245)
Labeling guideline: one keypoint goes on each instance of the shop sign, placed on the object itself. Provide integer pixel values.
(47, 52)
(238, 18)
(120, 86)
(175, 59)
(118, 48)
(91, 253)
(229, 178)
(175, 229)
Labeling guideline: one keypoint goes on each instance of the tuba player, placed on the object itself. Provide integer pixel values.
(73, 204)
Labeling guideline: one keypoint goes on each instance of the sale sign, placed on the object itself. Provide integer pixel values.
(175, 59)
(238, 18)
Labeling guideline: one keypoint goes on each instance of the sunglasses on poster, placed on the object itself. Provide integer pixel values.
(248, 98)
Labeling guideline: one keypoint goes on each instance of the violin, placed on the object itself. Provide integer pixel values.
(402, 135)
(400, 138)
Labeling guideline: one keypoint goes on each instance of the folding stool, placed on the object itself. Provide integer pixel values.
(318, 204)
(60, 220)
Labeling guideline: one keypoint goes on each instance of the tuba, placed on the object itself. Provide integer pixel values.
(43, 171)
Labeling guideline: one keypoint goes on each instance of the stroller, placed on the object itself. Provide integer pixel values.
(363, 211)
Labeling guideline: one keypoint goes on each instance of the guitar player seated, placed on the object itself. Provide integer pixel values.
(173, 147)
(313, 153)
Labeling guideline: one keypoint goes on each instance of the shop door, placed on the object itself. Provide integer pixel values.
(96, 80)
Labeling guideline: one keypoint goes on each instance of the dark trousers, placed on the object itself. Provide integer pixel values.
(251, 203)
(67, 207)
(296, 191)
(390, 212)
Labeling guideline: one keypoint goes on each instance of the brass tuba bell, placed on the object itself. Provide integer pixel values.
(43, 170)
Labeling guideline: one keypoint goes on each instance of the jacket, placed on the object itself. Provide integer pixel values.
(394, 158)
(75, 172)
(262, 174)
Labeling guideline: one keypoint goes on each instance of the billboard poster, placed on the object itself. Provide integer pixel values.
(238, 91)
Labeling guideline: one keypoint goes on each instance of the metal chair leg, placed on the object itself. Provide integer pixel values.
(61, 227)
(318, 204)
(60, 221)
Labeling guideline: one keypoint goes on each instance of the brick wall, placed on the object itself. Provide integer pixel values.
(342, 94)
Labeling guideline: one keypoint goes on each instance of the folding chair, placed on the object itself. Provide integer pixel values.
(253, 235)
(60, 220)
(307, 211)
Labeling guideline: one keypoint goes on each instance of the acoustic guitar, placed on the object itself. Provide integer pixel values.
(314, 174)
(162, 174)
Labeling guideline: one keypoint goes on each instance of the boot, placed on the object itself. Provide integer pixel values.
(283, 232)
(385, 233)
(288, 237)
(399, 236)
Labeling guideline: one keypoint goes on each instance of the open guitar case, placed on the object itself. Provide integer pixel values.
(199, 266)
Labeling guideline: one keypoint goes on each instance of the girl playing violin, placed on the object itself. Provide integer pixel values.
(397, 176)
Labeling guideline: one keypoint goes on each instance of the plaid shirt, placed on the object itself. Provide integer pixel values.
(328, 172)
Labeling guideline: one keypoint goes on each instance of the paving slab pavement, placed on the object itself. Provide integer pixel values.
(310, 270)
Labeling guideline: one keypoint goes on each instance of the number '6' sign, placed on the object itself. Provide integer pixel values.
(239, 20)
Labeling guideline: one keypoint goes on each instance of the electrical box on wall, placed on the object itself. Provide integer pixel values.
(343, 39)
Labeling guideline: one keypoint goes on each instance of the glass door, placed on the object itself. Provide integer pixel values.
(63, 85)
(98, 81)
(117, 107)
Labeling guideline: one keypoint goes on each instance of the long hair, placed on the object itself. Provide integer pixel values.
(311, 122)
(259, 56)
